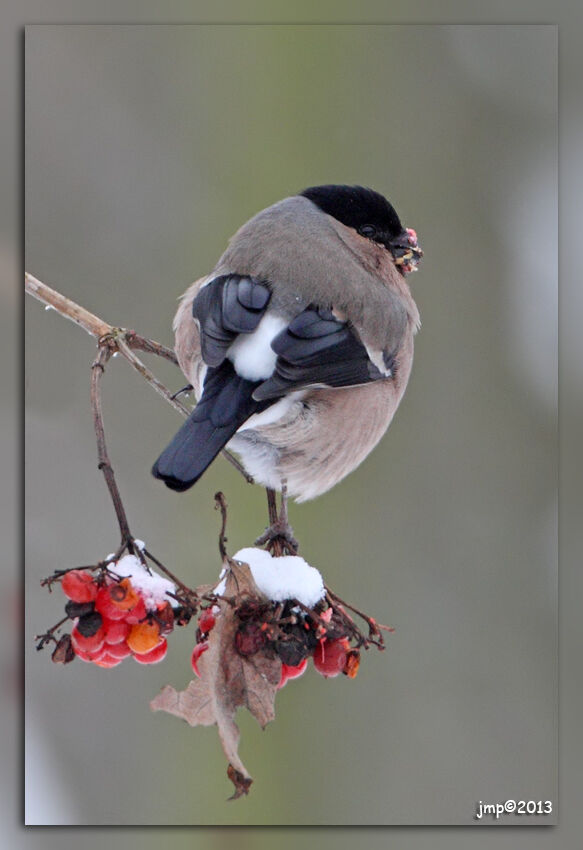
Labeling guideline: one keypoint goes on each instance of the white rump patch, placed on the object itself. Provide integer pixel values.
(252, 354)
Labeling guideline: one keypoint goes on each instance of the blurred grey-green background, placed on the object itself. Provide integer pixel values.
(146, 147)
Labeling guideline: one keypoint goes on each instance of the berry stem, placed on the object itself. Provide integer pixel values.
(373, 627)
(104, 464)
(221, 504)
(190, 594)
(48, 636)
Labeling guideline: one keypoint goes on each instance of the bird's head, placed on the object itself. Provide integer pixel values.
(372, 217)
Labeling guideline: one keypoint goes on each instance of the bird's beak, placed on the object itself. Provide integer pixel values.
(406, 250)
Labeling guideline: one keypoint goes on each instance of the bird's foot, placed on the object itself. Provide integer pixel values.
(279, 536)
(279, 539)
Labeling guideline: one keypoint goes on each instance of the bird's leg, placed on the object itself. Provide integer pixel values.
(279, 537)
(283, 518)
(271, 505)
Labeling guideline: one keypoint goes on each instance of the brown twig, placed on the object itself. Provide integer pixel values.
(117, 340)
(221, 504)
(65, 307)
(375, 628)
(49, 634)
(187, 591)
(103, 462)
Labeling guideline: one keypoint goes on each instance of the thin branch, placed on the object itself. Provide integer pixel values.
(49, 635)
(374, 627)
(150, 346)
(118, 339)
(187, 591)
(104, 464)
(67, 308)
(221, 504)
(143, 370)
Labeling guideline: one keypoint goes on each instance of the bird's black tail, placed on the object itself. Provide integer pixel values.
(226, 403)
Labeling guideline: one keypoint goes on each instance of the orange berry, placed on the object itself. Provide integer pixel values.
(352, 663)
(123, 595)
(154, 655)
(143, 637)
(104, 604)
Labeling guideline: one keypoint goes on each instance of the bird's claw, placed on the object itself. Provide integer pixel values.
(279, 539)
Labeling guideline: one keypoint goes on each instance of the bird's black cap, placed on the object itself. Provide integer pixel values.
(365, 210)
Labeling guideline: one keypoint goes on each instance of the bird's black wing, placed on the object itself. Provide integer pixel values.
(318, 349)
(226, 307)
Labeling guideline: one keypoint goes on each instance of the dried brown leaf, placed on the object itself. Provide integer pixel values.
(228, 680)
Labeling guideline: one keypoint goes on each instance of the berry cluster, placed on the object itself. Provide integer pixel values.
(127, 613)
(293, 636)
(113, 619)
(322, 637)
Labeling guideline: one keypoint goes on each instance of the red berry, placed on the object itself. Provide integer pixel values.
(330, 656)
(137, 614)
(196, 653)
(86, 656)
(87, 644)
(292, 672)
(78, 585)
(155, 655)
(117, 650)
(206, 620)
(104, 604)
(107, 661)
(116, 631)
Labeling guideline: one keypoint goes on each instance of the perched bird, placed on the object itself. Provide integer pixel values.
(299, 343)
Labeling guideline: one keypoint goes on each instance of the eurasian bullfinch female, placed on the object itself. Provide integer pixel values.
(299, 343)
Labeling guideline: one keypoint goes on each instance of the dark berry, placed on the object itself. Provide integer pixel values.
(78, 609)
(89, 624)
(249, 638)
(292, 651)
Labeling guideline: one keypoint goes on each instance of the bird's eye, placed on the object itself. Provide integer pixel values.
(368, 230)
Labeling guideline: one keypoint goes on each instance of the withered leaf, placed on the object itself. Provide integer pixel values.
(228, 680)
(241, 783)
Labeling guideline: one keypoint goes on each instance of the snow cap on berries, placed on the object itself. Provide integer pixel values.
(287, 577)
(152, 587)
